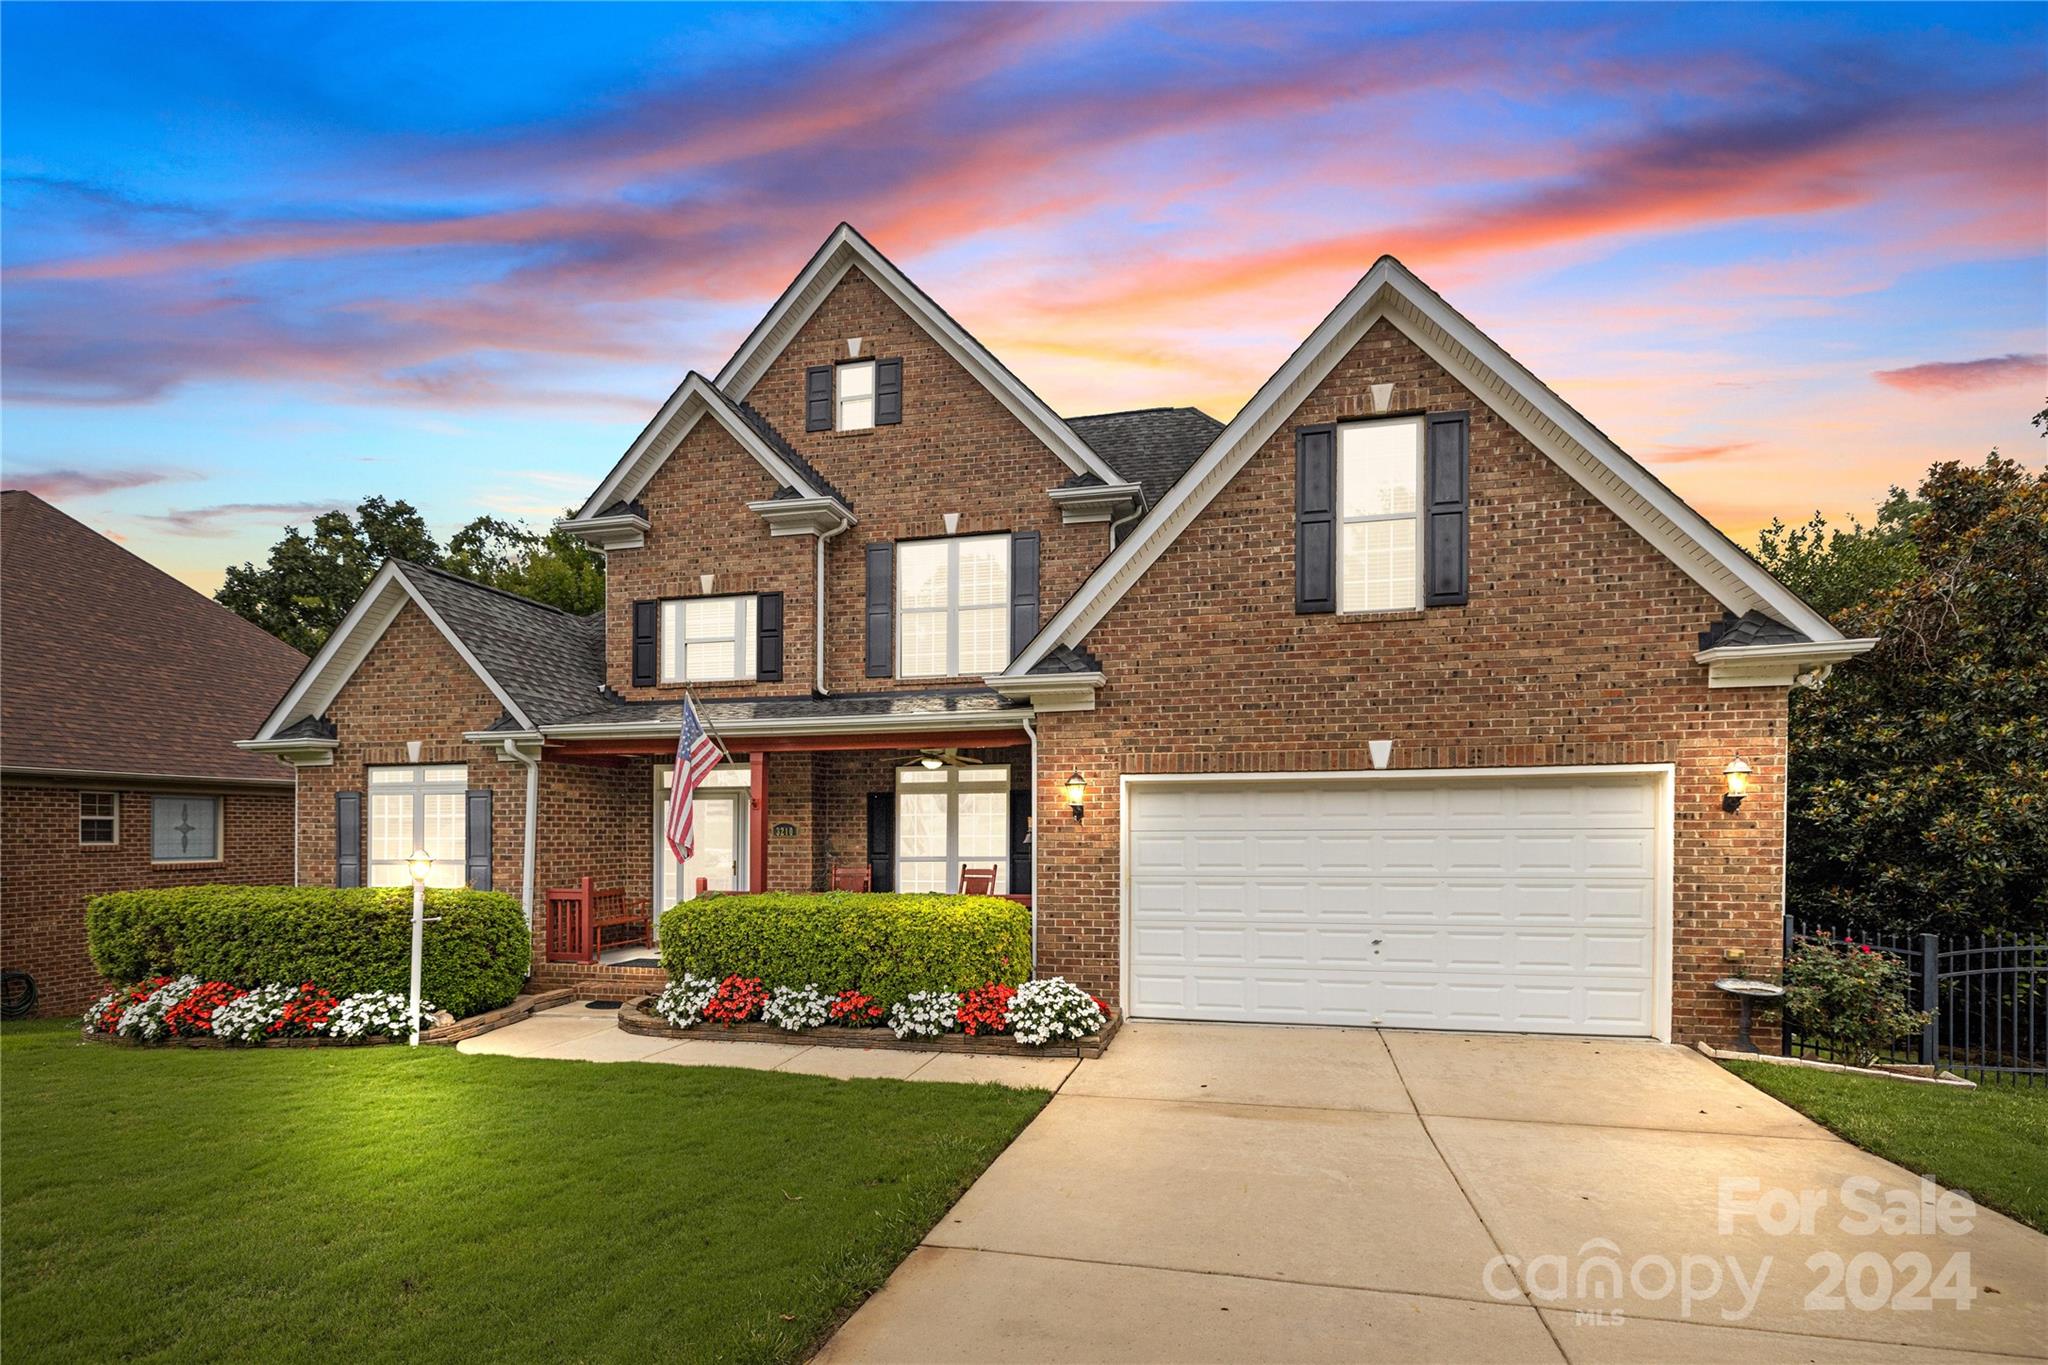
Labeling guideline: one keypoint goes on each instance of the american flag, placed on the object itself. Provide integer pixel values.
(696, 755)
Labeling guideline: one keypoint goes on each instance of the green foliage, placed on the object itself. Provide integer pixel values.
(1919, 772)
(1834, 569)
(555, 568)
(886, 944)
(345, 940)
(1852, 994)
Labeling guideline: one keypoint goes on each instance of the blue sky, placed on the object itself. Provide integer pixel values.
(259, 260)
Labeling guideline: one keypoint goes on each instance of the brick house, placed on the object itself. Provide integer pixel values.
(1404, 698)
(122, 694)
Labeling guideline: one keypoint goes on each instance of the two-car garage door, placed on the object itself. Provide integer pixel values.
(1519, 902)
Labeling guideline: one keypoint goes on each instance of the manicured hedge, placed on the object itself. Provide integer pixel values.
(346, 941)
(887, 944)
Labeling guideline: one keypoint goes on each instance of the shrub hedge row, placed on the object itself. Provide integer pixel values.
(884, 943)
(345, 940)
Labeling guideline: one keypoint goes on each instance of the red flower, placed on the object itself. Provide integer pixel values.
(854, 1010)
(737, 999)
(985, 1009)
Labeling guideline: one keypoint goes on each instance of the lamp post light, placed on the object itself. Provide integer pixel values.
(419, 864)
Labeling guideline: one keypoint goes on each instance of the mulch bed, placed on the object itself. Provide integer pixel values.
(637, 1016)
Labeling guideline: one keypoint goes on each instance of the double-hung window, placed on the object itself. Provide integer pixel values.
(1379, 483)
(854, 395)
(184, 829)
(99, 818)
(953, 606)
(418, 807)
(708, 639)
(949, 818)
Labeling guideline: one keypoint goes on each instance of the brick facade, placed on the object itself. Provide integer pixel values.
(47, 876)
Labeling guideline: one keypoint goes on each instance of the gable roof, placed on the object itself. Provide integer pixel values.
(1151, 447)
(1392, 292)
(693, 399)
(111, 666)
(539, 662)
(845, 250)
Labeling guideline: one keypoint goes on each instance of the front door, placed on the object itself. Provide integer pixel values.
(719, 821)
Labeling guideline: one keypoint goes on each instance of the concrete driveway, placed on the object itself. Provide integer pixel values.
(1239, 1193)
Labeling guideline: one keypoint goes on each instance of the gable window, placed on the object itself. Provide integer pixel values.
(184, 829)
(418, 807)
(854, 398)
(952, 606)
(99, 818)
(708, 639)
(951, 818)
(1379, 482)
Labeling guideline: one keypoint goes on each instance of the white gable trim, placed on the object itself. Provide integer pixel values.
(845, 249)
(693, 398)
(1391, 291)
(351, 643)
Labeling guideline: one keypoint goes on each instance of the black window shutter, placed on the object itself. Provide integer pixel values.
(1023, 589)
(477, 848)
(882, 839)
(348, 838)
(888, 392)
(1446, 578)
(645, 617)
(818, 398)
(768, 637)
(881, 608)
(1315, 520)
(1020, 841)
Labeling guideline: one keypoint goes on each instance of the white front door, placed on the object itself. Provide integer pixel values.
(720, 821)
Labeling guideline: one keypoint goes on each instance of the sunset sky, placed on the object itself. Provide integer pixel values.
(263, 260)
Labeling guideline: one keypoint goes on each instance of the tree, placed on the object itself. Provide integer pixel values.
(555, 568)
(1919, 772)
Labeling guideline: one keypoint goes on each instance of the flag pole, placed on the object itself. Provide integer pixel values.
(710, 732)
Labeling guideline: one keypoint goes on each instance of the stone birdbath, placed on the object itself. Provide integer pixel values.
(1750, 994)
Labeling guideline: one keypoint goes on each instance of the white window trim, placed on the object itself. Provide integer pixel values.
(1421, 497)
(952, 607)
(419, 788)
(840, 397)
(114, 842)
(746, 608)
(951, 787)
(220, 829)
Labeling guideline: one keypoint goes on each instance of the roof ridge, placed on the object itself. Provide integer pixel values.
(1141, 412)
(454, 577)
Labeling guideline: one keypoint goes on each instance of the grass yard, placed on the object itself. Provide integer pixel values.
(1991, 1141)
(328, 1204)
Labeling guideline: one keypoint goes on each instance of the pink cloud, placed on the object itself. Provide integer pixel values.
(1950, 375)
(57, 485)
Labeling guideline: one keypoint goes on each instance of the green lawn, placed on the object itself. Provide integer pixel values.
(383, 1203)
(1991, 1141)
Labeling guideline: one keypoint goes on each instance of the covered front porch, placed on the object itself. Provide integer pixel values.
(803, 804)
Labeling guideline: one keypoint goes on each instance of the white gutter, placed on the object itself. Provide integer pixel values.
(814, 725)
(1032, 730)
(512, 751)
(818, 649)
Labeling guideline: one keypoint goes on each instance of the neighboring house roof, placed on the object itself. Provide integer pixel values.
(1151, 447)
(746, 714)
(1392, 292)
(108, 665)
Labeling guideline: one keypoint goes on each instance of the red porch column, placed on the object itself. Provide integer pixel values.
(757, 821)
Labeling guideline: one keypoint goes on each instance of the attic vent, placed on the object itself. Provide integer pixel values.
(1382, 395)
(852, 348)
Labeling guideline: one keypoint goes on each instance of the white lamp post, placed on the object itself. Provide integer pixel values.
(419, 864)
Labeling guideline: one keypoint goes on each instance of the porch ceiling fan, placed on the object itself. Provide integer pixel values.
(934, 759)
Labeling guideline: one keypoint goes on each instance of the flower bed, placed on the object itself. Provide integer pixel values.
(195, 1013)
(1038, 1018)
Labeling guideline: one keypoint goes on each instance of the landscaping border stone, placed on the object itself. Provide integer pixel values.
(1917, 1075)
(637, 1016)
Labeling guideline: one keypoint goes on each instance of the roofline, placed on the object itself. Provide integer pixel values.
(154, 779)
(1007, 719)
(1795, 651)
(840, 251)
(378, 588)
(1310, 362)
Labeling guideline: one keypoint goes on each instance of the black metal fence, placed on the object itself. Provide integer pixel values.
(1988, 996)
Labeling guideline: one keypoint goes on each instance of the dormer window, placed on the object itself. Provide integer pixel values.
(854, 398)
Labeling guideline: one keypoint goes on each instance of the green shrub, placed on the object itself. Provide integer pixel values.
(349, 940)
(1850, 993)
(886, 944)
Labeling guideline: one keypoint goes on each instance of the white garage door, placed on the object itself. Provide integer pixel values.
(1527, 904)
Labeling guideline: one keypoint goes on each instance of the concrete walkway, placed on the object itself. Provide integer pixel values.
(580, 1034)
(1236, 1193)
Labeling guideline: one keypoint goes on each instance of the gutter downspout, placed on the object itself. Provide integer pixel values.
(1031, 729)
(512, 751)
(818, 623)
(1125, 520)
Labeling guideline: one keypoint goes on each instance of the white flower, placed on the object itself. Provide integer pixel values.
(1043, 1011)
(682, 1004)
(247, 1018)
(796, 1007)
(145, 1018)
(98, 1008)
(375, 1014)
(925, 1014)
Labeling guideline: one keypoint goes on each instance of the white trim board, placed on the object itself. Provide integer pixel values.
(1391, 291)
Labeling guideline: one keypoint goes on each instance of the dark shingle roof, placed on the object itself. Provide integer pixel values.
(1152, 447)
(551, 663)
(1751, 628)
(960, 701)
(1067, 659)
(780, 445)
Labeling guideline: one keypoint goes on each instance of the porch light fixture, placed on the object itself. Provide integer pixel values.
(419, 864)
(1077, 793)
(931, 763)
(1737, 772)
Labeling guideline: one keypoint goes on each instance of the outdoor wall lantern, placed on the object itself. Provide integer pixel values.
(1737, 772)
(1077, 793)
